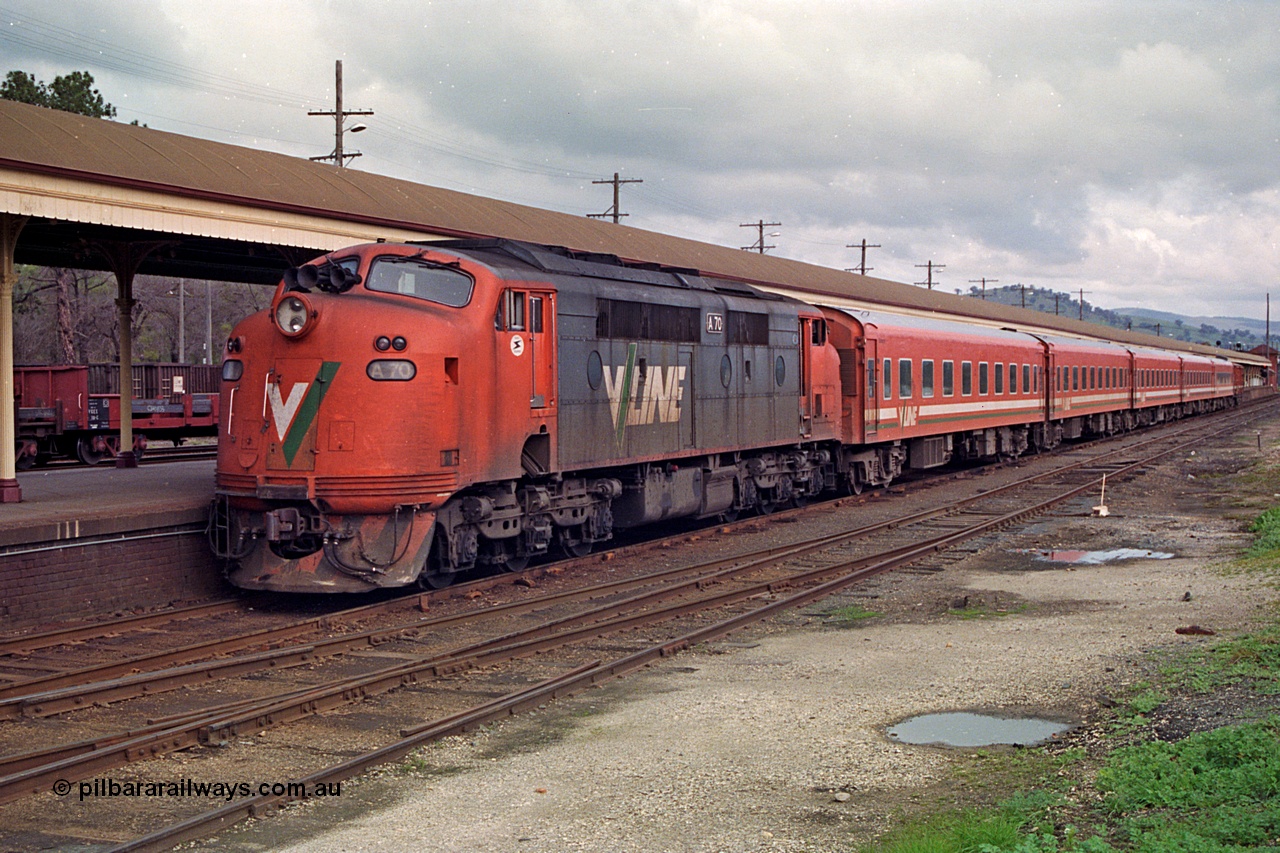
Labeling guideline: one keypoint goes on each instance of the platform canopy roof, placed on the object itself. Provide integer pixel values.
(230, 213)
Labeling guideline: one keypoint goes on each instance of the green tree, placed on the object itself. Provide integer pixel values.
(73, 93)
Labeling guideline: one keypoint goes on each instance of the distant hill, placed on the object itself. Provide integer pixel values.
(1229, 332)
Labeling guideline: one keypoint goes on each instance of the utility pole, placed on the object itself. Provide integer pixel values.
(759, 245)
(182, 321)
(862, 268)
(339, 157)
(930, 266)
(613, 211)
(1024, 294)
(984, 284)
(1055, 303)
(208, 322)
(1082, 293)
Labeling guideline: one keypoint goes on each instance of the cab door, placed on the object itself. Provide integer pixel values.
(871, 395)
(806, 378)
(528, 320)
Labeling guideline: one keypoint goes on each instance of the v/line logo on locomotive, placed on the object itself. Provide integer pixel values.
(294, 413)
(641, 395)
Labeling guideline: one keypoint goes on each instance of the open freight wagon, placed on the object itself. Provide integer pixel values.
(74, 410)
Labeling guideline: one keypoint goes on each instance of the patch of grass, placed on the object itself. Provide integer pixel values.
(1266, 528)
(964, 831)
(849, 617)
(1253, 659)
(1216, 790)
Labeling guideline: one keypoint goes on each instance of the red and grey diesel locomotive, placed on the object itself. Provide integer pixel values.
(402, 413)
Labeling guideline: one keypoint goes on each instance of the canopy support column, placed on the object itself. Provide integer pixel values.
(124, 259)
(10, 227)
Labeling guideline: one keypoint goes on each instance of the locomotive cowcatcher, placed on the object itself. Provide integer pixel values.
(405, 412)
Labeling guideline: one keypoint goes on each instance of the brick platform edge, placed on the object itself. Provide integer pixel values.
(93, 568)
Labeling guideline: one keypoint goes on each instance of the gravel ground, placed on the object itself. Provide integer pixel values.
(754, 743)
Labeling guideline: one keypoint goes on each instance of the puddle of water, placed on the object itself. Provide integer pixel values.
(965, 729)
(1094, 558)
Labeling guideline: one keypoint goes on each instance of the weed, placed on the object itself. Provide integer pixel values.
(849, 617)
(1266, 528)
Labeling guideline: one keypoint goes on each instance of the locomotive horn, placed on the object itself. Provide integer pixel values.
(307, 277)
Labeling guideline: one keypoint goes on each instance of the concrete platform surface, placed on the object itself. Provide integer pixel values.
(78, 502)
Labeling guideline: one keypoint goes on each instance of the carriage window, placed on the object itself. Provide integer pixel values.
(420, 279)
(948, 378)
(966, 378)
(999, 378)
(904, 378)
(1075, 379)
(1026, 379)
(887, 376)
(1013, 379)
(983, 372)
(926, 377)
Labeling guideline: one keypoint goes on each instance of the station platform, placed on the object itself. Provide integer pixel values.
(78, 502)
(90, 542)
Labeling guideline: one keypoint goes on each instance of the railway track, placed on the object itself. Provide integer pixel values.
(442, 658)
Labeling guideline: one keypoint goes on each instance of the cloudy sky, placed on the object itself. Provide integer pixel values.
(1129, 149)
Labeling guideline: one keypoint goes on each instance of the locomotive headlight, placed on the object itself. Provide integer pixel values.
(294, 314)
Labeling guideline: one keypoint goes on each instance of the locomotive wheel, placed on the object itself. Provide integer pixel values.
(513, 561)
(851, 484)
(86, 454)
(572, 542)
(504, 555)
(437, 573)
(438, 580)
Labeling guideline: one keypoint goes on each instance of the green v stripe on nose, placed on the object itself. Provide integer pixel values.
(307, 410)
